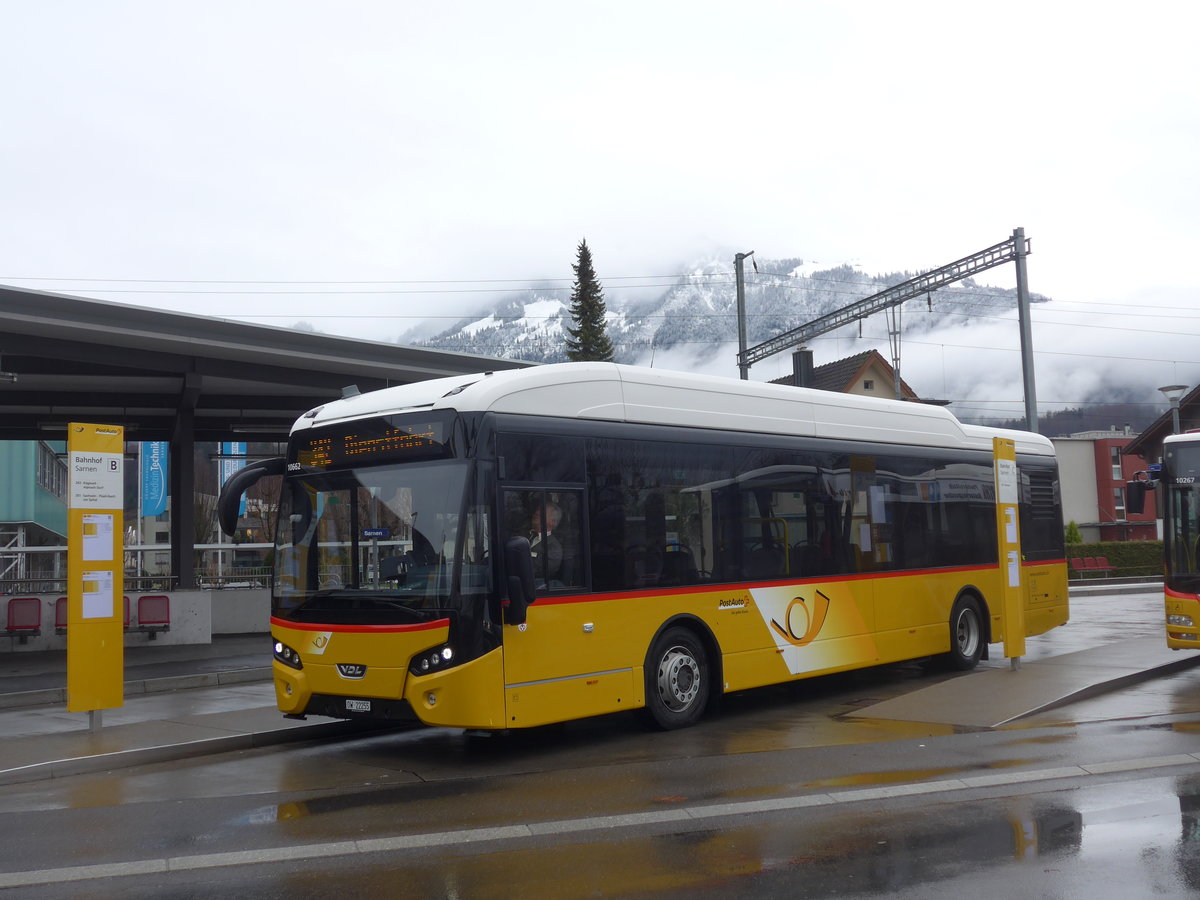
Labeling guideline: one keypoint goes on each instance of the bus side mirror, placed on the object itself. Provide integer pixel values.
(230, 499)
(518, 563)
(1135, 497)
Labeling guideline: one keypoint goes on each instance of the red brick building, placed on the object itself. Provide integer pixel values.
(1093, 470)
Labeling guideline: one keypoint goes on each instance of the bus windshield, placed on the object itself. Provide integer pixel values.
(1181, 526)
(378, 544)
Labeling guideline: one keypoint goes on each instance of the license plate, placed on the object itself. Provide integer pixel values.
(358, 705)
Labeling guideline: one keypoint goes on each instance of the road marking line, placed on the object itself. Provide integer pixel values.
(569, 826)
(1153, 762)
(1021, 777)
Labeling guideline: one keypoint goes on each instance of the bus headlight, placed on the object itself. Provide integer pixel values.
(1181, 621)
(287, 655)
(432, 660)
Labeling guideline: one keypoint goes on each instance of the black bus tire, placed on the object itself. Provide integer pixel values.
(678, 679)
(966, 634)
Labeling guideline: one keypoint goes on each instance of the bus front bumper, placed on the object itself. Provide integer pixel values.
(1182, 616)
(470, 695)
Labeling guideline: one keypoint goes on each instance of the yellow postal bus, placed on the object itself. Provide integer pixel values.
(516, 548)
(1179, 477)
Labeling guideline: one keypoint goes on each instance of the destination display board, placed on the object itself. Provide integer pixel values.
(371, 442)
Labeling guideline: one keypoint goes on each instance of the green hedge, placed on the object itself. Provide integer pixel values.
(1133, 559)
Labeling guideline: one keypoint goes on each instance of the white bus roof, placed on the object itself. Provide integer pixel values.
(618, 393)
(1188, 437)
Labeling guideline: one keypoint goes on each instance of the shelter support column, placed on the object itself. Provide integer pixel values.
(183, 485)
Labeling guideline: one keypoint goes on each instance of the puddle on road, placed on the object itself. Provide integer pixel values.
(1043, 739)
(895, 777)
(904, 776)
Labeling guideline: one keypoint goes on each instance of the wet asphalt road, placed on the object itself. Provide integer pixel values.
(777, 796)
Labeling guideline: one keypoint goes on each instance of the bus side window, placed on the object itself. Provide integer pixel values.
(551, 522)
(570, 539)
(608, 537)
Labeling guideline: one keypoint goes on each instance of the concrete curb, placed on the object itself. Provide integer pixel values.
(1186, 660)
(1099, 589)
(51, 696)
(85, 765)
(997, 696)
(1115, 684)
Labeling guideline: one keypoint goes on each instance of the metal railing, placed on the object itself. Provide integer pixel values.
(43, 570)
(141, 584)
(237, 577)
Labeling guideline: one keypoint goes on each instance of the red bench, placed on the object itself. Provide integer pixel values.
(154, 614)
(1091, 565)
(24, 618)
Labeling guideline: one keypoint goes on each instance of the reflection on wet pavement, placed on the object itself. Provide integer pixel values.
(1131, 840)
(1096, 620)
(146, 707)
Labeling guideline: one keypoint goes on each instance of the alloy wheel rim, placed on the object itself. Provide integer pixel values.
(678, 679)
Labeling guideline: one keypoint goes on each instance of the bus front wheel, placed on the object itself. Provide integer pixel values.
(677, 679)
(966, 634)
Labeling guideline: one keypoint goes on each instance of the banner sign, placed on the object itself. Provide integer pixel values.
(226, 466)
(155, 456)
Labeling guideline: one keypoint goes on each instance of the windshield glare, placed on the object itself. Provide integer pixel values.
(1181, 528)
(375, 544)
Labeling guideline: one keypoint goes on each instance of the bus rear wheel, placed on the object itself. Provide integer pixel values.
(966, 634)
(677, 679)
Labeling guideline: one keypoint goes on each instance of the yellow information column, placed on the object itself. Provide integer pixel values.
(95, 569)
(1008, 539)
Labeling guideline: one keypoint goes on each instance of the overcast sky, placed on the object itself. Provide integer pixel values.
(448, 148)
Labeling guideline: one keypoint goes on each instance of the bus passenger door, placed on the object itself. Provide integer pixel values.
(557, 664)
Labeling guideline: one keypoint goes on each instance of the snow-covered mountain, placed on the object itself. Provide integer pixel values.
(960, 344)
(696, 316)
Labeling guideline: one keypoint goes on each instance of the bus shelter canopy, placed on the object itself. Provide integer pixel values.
(183, 378)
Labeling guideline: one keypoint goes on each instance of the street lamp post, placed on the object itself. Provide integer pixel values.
(1174, 393)
(739, 271)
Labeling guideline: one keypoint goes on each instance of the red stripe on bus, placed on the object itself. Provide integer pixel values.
(1180, 595)
(556, 600)
(369, 629)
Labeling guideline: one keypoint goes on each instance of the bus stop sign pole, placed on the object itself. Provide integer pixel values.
(1008, 542)
(95, 570)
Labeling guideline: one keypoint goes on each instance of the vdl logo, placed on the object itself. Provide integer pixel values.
(803, 619)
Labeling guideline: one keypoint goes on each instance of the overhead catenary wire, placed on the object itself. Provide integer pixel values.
(529, 284)
(534, 282)
(981, 297)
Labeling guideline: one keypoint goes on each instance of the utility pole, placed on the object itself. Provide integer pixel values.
(1021, 251)
(906, 290)
(892, 314)
(739, 268)
(1015, 248)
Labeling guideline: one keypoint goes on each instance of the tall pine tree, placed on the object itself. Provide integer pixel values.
(588, 340)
